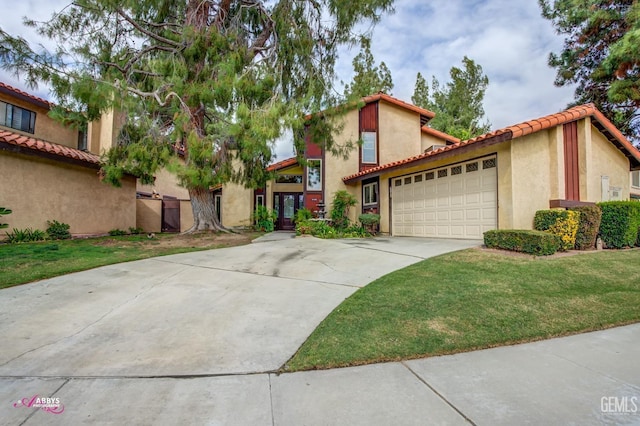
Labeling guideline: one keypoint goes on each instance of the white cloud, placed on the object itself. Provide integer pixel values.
(508, 38)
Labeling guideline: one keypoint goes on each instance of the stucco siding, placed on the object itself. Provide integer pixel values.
(38, 190)
(336, 167)
(237, 205)
(531, 186)
(400, 133)
(166, 184)
(428, 141)
(606, 160)
(149, 214)
(45, 128)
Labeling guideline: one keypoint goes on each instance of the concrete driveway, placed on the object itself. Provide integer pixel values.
(238, 310)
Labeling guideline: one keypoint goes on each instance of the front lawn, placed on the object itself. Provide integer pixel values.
(475, 299)
(26, 262)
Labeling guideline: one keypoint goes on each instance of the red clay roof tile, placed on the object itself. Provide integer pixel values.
(439, 134)
(47, 147)
(519, 130)
(19, 92)
(282, 164)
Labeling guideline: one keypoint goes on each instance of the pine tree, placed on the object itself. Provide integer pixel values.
(369, 78)
(212, 81)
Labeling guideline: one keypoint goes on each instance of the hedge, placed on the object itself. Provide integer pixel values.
(620, 223)
(563, 223)
(590, 218)
(523, 240)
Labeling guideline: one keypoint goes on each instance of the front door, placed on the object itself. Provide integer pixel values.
(286, 204)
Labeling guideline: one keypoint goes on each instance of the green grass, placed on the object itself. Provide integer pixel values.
(26, 262)
(475, 299)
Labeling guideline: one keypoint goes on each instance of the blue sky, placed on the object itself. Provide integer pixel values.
(509, 39)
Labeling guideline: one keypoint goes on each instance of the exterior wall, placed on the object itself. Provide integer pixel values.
(504, 170)
(46, 128)
(237, 205)
(166, 183)
(531, 182)
(634, 191)
(429, 140)
(400, 133)
(149, 214)
(38, 190)
(606, 160)
(335, 168)
(186, 215)
(103, 133)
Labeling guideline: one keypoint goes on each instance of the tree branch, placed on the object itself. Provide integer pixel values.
(145, 31)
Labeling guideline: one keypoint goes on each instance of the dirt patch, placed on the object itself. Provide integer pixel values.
(201, 240)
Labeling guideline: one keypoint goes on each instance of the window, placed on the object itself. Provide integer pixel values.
(369, 154)
(457, 170)
(635, 179)
(314, 175)
(398, 182)
(417, 178)
(17, 118)
(472, 167)
(259, 200)
(442, 173)
(489, 164)
(82, 138)
(370, 194)
(430, 176)
(289, 179)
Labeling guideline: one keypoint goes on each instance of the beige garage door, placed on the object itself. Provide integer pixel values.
(458, 201)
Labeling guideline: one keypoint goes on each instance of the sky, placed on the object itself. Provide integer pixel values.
(509, 39)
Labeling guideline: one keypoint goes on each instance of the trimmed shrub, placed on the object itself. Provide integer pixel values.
(117, 232)
(590, 217)
(25, 235)
(135, 231)
(58, 231)
(620, 223)
(563, 223)
(523, 240)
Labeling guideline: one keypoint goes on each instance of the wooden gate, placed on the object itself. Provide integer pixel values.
(170, 215)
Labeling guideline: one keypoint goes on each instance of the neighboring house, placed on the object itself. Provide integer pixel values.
(426, 183)
(635, 185)
(50, 172)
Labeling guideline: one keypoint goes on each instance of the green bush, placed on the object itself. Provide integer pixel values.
(590, 217)
(135, 231)
(620, 223)
(302, 215)
(117, 232)
(26, 235)
(264, 219)
(370, 222)
(525, 241)
(342, 201)
(563, 223)
(3, 212)
(58, 231)
(323, 229)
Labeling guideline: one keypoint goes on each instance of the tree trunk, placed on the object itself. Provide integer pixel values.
(204, 213)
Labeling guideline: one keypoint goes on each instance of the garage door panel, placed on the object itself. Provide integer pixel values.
(456, 201)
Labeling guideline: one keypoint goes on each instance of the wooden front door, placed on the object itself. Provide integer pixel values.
(286, 204)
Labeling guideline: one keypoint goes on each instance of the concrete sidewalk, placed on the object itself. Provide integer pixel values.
(587, 379)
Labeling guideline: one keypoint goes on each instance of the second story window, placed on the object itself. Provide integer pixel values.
(17, 118)
(369, 148)
(635, 179)
(314, 175)
(82, 138)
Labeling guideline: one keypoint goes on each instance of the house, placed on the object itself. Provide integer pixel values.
(426, 183)
(635, 185)
(50, 172)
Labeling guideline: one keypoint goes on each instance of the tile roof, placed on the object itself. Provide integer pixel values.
(395, 101)
(54, 149)
(25, 96)
(282, 164)
(522, 129)
(439, 134)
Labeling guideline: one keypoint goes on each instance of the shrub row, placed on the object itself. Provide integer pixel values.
(590, 217)
(533, 242)
(620, 225)
(563, 223)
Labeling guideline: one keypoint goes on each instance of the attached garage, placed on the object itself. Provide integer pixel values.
(456, 201)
